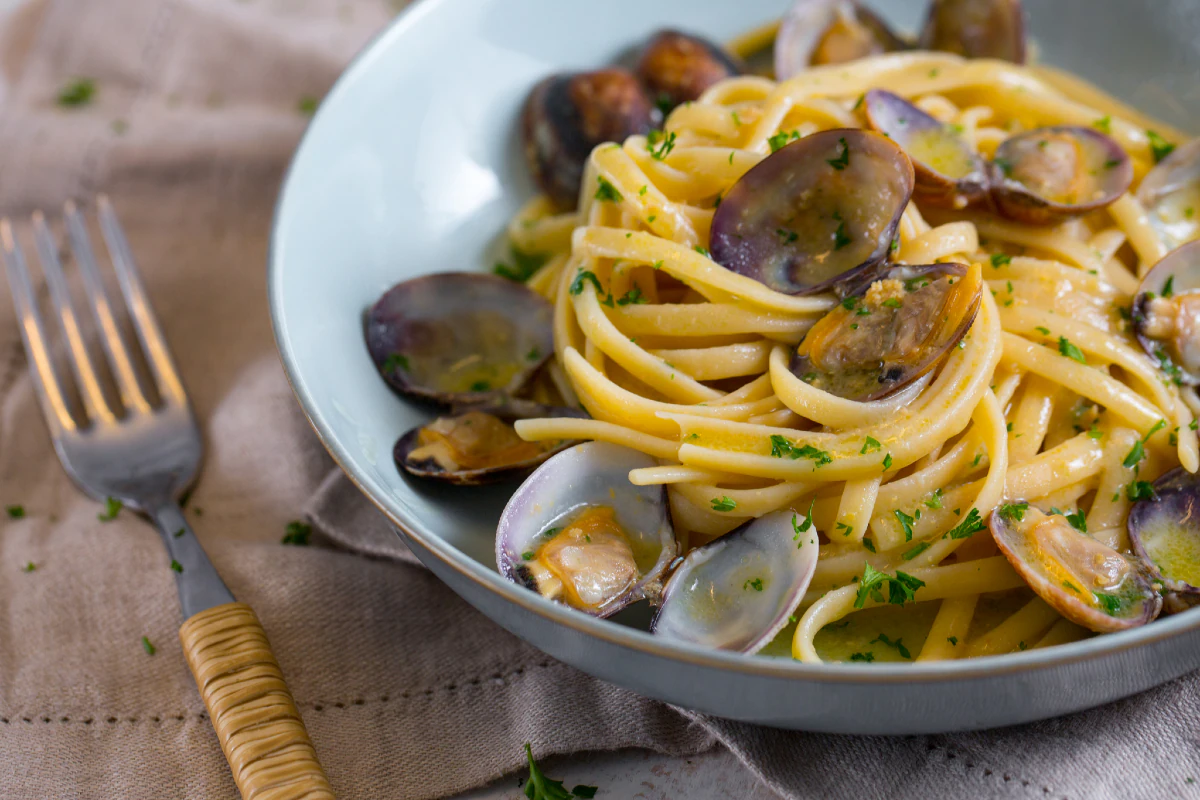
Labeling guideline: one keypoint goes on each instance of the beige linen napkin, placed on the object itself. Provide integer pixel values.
(408, 693)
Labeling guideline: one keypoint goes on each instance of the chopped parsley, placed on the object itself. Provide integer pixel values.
(1140, 490)
(522, 267)
(633, 296)
(480, 386)
(307, 105)
(859, 103)
(901, 588)
(1071, 586)
(176, 566)
(1043, 331)
(297, 533)
(583, 277)
(539, 787)
(921, 547)
(395, 361)
(1013, 512)
(781, 446)
(148, 646)
(867, 657)
(1078, 521)
(660, 145)
(1111, 603)
(1000, 260)
(788, 236)
(723, 503)
(840, 237)
(1104, 124)
(1168, 289)
(1070, 351)
(607, 193)
(533, 355)
(1160, 148)
(78, 92)
(112, 507)
(29, 567)
(870, 443)
(887, 462)
(756, 584)
(782, 138)
(843, 160)
(935, 499)
(846, 529)
(906, 523)
(892, 302)
(15, 512)
(867, 543)
(970, 525)
(1138, 451)
(898, 644)
(953, 640)
(179, 533)
(702, 251)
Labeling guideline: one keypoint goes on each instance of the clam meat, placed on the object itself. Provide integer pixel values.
(1166, 314)
(816, 32)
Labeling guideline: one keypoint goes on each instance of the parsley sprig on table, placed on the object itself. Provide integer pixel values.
(539, 787)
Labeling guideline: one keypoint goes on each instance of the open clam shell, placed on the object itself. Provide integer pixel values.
(820, 211)
(1170, 194)
(477, 444)
(976, 29)
(1165, 532)
(830, 32)
(1050, 174)
(1166, 314)
(1086, 581)
(578, 532)
(738, 591)
(566, 116)
(459, 337)
(677, 67)
(891, 333)
(950, 172)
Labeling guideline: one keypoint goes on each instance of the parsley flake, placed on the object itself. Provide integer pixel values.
(297, 533)
(898, 644)
(843, 160)
(112, 507)
(148, 646)
(867, 657)
(583, 277)
(870, 443)
(921, 547)
(394, 362)
(723, 503)
(15, 512)
(970, 525)
(78, 92)
(756, 584)
(1070, 351)
(906, 523)
(176, 566)
(660, 145)
(1160, 148)
(1013, 512)
(1000, 260)
(607, 193)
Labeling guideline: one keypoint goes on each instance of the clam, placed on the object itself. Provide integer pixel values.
(976, 29)
(459, 337)
(1166, 314)
(567, 116)
(478, 444)
(890, 334)
(1049, 174)
(677, 67)
(738, 591)
(817, 213)
(1171, 195)
(1165, 532)
(950, 173)
(578, 532)
(1085, 580)
(829, 32)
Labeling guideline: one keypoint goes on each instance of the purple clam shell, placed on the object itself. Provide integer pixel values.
(818, 212)
(1010, 536)
(976, 29)
(919, 133)
(509, 411)
(875, 374)
(1153, 525)
(1023, 161)
(566, 116)
(421, 332)
(677, 67)
(759, 566)
(806, 24)
(1182, 267)
(589, 474)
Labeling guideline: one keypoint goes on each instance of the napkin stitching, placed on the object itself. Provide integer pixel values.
(111, 720)
(952, 754)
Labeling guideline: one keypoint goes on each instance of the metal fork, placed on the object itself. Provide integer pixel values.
(146, 455)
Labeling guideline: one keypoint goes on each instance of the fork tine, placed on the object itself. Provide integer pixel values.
(154, 345)
(81, 363)
(33, 334)
(113, 339)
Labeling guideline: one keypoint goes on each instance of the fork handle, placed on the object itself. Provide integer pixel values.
(251, 707)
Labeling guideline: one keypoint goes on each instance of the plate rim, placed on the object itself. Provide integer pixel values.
(1092, 649)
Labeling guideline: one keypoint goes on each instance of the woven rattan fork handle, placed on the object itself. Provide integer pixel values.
(250, 705)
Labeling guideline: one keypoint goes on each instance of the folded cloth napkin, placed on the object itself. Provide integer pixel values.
(407, 691)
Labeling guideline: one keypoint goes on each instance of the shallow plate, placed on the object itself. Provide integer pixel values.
(412, 165)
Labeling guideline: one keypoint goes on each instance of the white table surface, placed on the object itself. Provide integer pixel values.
(641, 775)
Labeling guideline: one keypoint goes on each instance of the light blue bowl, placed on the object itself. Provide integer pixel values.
(412, 165)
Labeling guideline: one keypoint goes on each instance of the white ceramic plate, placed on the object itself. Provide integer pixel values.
(412, 165)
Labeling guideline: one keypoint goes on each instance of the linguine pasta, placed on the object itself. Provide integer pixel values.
(675, 356)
